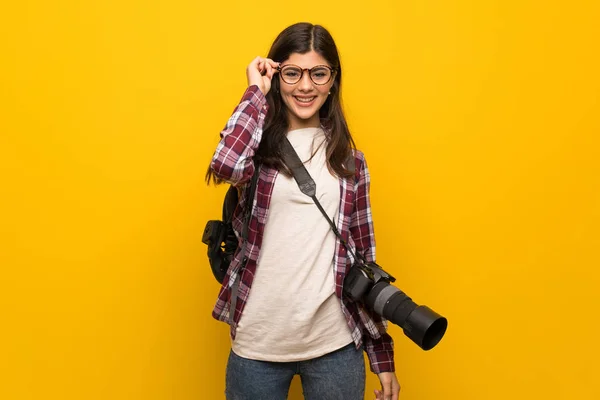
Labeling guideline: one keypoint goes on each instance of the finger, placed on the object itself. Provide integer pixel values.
(254, 63)
(261, 66)
(377, 394)
(272, 63)
(253, 67)
(270, 71)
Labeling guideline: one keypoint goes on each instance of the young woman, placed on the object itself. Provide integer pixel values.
(282, 295)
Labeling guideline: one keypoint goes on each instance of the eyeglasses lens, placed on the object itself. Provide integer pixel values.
(320, 75)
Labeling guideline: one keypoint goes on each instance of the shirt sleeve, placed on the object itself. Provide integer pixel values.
(381, 353)
(361, 224)
(232, 161)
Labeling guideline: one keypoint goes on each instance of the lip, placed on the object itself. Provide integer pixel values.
(304, 104)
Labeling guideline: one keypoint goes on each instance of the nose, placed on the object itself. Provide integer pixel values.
(305, 83)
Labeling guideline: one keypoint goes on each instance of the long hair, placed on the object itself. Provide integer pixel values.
(302, 38)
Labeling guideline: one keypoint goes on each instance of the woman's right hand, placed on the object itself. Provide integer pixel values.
(260, 72)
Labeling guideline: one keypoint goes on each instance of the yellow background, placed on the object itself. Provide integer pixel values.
(480, 124)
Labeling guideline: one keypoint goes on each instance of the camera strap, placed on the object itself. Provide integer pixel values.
(308, 186)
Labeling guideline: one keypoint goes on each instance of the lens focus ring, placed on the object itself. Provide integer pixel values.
(383, 297)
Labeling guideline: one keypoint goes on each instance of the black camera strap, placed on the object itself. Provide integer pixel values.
(308, 186)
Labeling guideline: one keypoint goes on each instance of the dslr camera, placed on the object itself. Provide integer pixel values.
(371, 284)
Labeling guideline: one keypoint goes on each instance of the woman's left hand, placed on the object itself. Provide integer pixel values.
(389, 385)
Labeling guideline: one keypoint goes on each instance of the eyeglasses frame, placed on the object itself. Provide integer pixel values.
(332, 70)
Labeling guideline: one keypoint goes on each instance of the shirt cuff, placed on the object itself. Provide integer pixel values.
(381, 353)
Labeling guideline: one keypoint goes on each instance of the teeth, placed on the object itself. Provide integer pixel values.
(301, 100)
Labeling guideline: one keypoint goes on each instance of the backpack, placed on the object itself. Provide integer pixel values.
(220, 237)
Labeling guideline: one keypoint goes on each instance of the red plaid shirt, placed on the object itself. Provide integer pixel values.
(232, 162)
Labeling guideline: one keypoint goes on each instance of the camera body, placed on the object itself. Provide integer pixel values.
(362, 277)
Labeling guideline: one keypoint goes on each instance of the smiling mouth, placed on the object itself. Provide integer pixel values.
(305, 99)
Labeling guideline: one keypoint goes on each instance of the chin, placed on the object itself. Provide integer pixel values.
(305, 115)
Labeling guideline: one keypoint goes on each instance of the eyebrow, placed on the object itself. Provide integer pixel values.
(295, 65)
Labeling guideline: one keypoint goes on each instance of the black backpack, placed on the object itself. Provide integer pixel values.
(220, 236)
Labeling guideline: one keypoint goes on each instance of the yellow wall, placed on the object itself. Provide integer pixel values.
(480, 121)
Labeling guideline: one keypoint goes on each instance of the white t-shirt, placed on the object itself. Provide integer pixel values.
(292, 313)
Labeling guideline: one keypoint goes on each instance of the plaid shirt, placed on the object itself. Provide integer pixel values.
(232, 162)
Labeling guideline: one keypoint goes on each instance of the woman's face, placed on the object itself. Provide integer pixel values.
(304, 98)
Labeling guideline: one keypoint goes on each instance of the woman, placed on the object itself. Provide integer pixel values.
(296, 320)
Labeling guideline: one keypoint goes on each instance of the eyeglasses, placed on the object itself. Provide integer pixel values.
(319, 75)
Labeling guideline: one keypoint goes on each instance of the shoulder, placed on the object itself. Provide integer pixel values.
(358, 155)
(359, 160)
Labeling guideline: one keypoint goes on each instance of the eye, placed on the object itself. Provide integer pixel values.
(320, 72)
(291, 72)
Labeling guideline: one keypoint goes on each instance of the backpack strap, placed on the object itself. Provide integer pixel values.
(247, 215)
(250, 202)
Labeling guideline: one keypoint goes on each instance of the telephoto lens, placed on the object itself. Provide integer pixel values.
(420, 324)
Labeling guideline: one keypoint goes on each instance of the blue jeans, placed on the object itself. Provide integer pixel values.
(339, 375)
